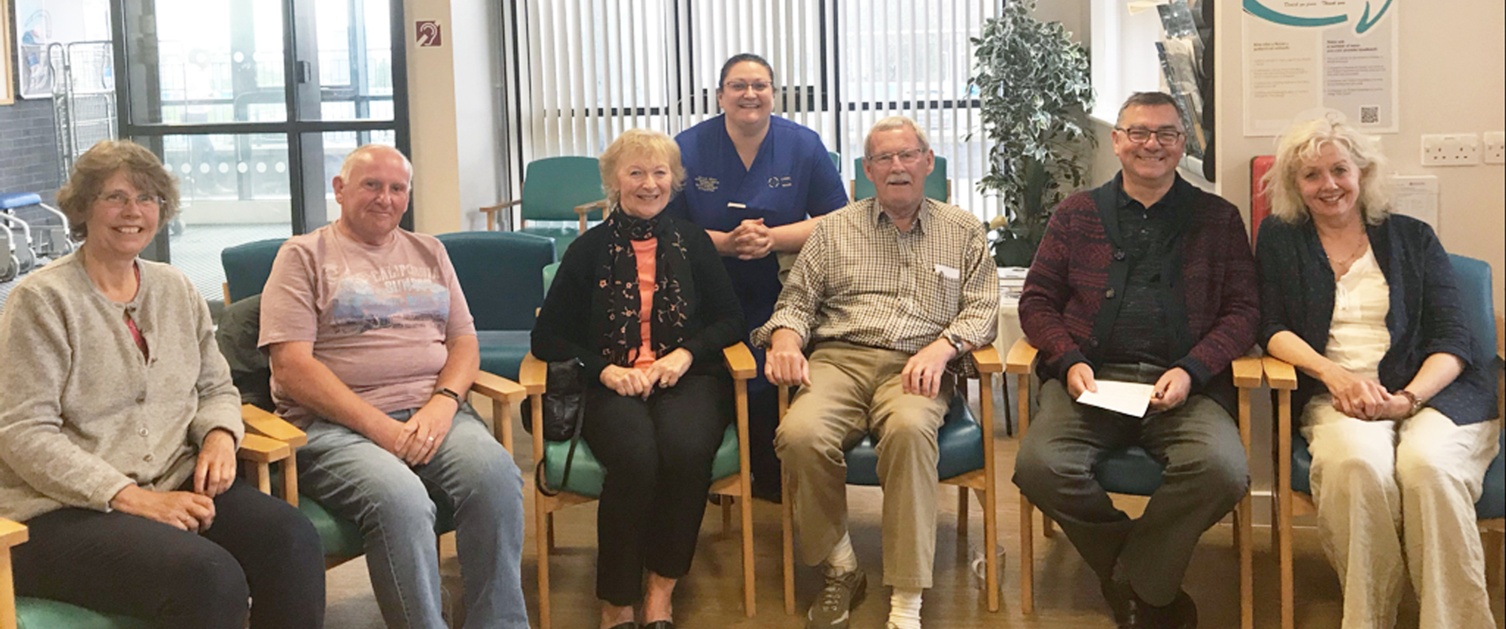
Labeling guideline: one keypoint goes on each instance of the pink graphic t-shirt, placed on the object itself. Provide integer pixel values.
(378, 316)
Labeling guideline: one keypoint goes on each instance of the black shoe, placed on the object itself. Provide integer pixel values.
(1119, 597)
(1181, 613)
(625, 625)
(660, 624)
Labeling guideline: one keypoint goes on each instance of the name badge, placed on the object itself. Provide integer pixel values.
(948, 272)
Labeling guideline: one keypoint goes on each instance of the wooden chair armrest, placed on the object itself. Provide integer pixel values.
(488, 209)
(260, 422)
(1021, 358)
(259, 449)
(585, 208)
(532, 373)
(739, 361)
(11, 533)
(1281, 375)
(1248, 372)
(497, 388)
(987, 358)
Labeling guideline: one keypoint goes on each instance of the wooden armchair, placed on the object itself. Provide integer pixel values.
(257, 453)
(1133, 472)
(1293, 461)
(966, 445)
(729, 472)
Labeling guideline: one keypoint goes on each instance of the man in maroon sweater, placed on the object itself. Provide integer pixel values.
(1146, 279)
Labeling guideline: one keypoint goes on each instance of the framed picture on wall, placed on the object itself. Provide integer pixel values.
(7, 80)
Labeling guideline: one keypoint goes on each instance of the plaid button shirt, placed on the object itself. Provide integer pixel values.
(860, 280)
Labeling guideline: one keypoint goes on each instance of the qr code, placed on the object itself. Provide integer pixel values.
(1370, 115)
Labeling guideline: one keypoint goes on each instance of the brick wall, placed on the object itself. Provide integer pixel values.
(28, 148)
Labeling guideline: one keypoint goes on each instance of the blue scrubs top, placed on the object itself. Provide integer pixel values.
(792, 178)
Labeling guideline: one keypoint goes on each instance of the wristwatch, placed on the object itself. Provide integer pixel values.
(958, 345)
(1416, 401)
(448, 393)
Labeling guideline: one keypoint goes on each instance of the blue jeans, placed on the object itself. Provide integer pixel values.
(355, 478)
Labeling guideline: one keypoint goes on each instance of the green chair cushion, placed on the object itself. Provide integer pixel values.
(38, 613)
(586, 473)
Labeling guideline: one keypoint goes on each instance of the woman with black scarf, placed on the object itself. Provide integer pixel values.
(643, 301)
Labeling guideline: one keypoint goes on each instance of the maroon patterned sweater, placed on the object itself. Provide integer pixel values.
(1078, 269)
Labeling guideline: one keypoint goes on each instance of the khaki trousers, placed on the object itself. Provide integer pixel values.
(1399, 497)
(854, 391)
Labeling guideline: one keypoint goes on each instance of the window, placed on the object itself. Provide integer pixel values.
(585, 70)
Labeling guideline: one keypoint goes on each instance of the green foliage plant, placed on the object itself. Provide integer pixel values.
(1034, 90)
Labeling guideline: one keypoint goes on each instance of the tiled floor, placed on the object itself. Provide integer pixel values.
(197, 252)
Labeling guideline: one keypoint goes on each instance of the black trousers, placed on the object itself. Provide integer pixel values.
(657, 454)
(258, 547)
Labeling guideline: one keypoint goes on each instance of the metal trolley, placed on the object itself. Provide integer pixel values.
(83, 98)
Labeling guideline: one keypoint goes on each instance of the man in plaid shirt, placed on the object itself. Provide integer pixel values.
(888, 294)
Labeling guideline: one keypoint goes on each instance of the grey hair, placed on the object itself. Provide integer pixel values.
(891, 123)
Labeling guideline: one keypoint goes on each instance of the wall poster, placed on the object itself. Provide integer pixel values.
(1301, 56)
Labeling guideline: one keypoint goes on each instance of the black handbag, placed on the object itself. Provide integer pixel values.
(564, 413)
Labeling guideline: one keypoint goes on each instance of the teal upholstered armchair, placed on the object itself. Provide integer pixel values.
(556, 190)
(1294, 461)
(966, 446)
(246, 269)
(729, 472)
(501, 274)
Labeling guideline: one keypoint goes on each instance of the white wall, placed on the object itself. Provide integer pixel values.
(1444, 89)
(452, 114)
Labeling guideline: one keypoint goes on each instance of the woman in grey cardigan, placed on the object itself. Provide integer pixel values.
(1393, 398)
(118, 430)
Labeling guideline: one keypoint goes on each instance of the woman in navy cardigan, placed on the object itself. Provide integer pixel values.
(1392, 398)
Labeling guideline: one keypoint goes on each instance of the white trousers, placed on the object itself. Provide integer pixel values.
(1395, 499)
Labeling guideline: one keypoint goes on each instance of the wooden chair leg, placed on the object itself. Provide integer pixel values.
(543, 527)
(549, 531)
(962, 512)
(1244, 539)
(1027, 557)
(990, 548)
(750, 602)
(1046, 527)
(787, 530)
(726, 502)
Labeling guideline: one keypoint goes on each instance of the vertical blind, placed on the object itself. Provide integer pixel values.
(577, 73)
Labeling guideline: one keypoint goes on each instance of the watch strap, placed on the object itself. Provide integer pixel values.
(449, 393)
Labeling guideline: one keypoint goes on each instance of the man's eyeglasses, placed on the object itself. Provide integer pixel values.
(742, 86)
(1164, 136)
(118, 200)
(907, 157)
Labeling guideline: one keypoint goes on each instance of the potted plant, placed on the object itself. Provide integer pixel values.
(1034, 93)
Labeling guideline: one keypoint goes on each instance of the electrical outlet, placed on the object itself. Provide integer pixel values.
(1494, 149)
(1454, 149)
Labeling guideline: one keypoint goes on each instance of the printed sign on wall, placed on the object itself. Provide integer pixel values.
(429, 35)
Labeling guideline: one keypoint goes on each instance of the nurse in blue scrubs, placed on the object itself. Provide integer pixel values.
(756, 182)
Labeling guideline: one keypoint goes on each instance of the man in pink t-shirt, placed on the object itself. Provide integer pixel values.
(372, 347)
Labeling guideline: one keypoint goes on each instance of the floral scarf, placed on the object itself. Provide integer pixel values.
(673, 280)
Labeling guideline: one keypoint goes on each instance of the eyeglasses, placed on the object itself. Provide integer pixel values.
(907, 157)
(118, 200)
(1164, 136)
(742, 86)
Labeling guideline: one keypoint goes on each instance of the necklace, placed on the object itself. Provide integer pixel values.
(1341, 266)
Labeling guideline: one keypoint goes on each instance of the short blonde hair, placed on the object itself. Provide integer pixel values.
(635, 143)
(1302, 143)
(102, 161)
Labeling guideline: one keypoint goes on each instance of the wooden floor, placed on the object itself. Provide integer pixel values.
(1067, 592)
